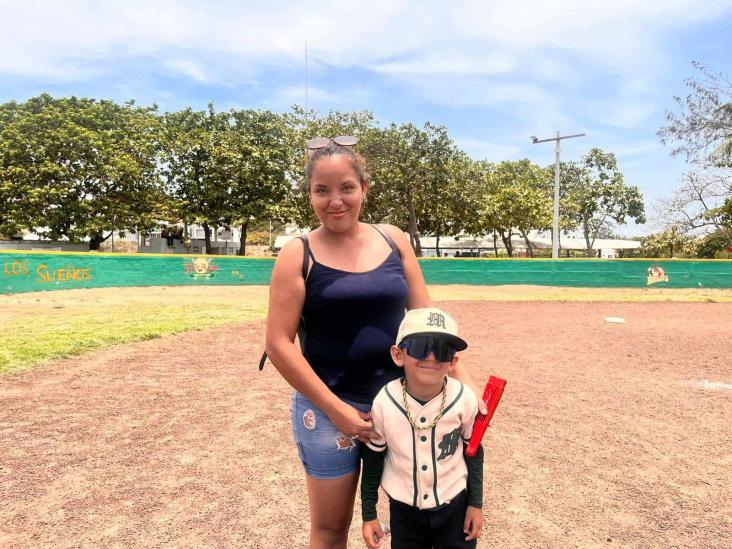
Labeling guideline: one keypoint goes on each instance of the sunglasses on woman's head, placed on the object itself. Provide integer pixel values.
(342, 140)
(420, 347)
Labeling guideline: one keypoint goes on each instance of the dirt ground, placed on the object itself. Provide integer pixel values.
(608, 435)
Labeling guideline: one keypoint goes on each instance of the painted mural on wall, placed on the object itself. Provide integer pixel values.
(44, 274)
(656, 274)
(200, 267)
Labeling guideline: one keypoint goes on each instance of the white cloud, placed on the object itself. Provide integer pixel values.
(620, 113)
(187, 67)
(486, 150)
(451, 62)
(480, 37)
(533, 57)
(619, 29)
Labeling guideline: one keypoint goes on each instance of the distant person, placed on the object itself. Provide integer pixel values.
(423, 423)
(457, 254)
(167, 234)
(342, 289)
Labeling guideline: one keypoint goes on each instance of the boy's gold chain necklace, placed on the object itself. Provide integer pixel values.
(409, 414)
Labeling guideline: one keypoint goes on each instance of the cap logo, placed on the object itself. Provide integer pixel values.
(437, 319)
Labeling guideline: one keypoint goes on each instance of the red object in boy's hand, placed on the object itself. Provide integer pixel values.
(491, 397)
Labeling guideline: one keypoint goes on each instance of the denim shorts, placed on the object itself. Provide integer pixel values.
(325, 452)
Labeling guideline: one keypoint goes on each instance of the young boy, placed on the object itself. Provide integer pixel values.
(423, 422)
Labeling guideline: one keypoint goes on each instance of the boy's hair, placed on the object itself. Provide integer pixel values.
(430, 321)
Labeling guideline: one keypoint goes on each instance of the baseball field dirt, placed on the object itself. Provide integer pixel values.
(608, 435)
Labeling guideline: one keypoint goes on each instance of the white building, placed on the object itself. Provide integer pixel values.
(468, 246)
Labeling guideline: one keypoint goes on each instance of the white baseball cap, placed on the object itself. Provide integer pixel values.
(430, 321)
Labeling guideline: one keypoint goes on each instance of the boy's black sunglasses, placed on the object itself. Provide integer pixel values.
(342, 140)
(420, 347)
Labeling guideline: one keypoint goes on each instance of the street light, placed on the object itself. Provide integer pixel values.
(555, 219)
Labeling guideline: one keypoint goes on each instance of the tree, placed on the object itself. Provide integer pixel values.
(712, 245)
(702, 131)
(454, 207)
(672, 242)
(516, 200)
(408, 166)
(78, 168)
(699, 203)
(595, 194)
(258, 161)
(197, 186)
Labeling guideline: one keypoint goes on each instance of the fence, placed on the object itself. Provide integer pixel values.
(35, 271)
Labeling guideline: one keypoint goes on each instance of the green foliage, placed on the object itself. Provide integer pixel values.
(81, 168)
(713, 245)
(420, 181)
(673, 242)
(193, 141)
(78, 168)
(515, 200)
(594, 194)
(254, 162)
(725, 214)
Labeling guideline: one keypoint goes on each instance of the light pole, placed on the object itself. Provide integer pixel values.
(555, 218)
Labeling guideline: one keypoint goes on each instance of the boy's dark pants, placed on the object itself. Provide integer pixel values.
(441, 528)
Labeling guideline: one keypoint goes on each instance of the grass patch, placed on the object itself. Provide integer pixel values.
(42, 326)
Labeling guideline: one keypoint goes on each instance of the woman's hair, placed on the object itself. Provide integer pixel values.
(332, 149)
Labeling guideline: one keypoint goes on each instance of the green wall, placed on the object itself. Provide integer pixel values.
(30, 272)
(37, 271)
(600, 273)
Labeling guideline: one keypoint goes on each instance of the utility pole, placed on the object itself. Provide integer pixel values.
(555, 218)
(307, 83)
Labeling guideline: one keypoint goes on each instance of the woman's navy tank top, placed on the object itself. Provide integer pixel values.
(349, 323)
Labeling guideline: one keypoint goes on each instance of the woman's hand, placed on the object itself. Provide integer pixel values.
(352, 422)
(482, 408)
(458, 372)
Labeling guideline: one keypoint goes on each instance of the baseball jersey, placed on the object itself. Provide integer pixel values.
(423, 468)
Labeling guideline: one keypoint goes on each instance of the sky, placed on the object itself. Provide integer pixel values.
(494, 72)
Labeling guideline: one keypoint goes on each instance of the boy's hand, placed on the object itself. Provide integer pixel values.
(473, 523)
(373, 535)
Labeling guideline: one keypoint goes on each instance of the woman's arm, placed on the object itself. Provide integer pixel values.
(286, 299)
(460, 373)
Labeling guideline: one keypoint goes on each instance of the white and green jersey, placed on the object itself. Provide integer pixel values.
(423, 468)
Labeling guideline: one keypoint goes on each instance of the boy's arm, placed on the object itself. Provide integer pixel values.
(475, 478)
(473, 523)
(374, 452)
(373, 467)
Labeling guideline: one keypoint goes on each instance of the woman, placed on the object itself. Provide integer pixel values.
(344, 289)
